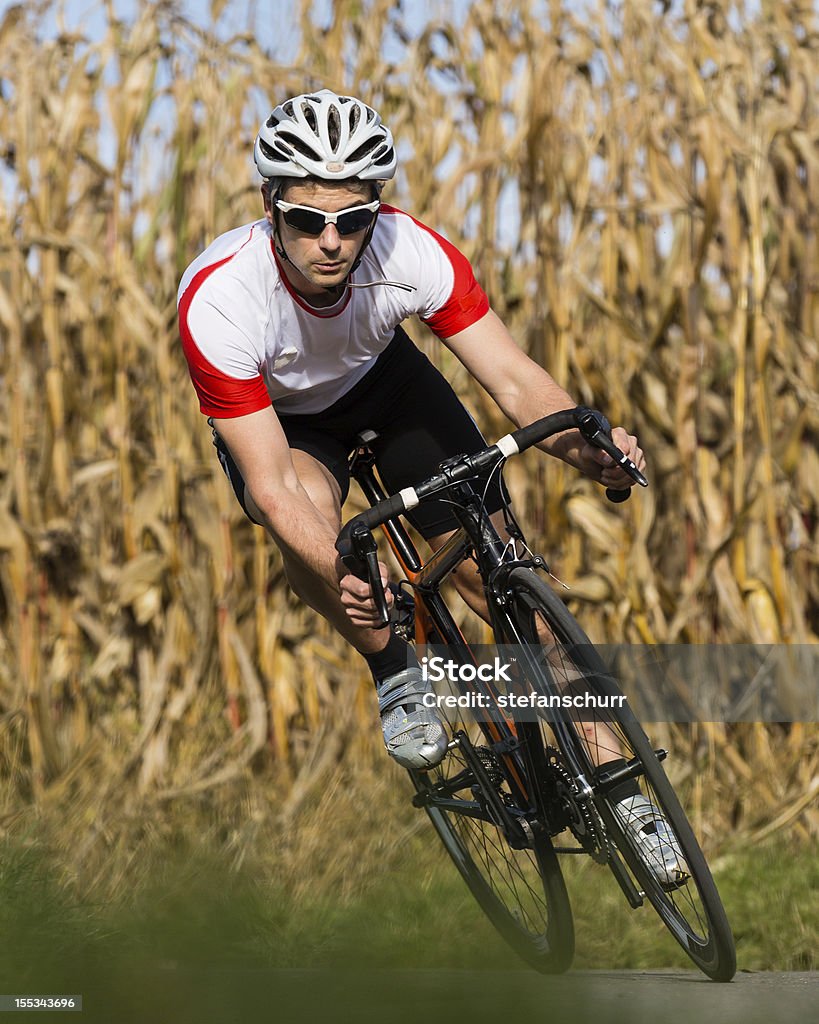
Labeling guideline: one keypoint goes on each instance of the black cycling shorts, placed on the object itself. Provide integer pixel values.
(419, 421)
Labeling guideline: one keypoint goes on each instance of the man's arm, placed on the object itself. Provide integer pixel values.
(259, 448)
(525, 392)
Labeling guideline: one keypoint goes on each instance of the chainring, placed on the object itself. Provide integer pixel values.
(579, 815)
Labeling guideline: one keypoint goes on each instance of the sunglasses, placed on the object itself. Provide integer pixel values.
(312, 222)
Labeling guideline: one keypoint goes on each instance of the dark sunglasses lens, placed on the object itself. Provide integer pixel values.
(304, 220)
(356, 220)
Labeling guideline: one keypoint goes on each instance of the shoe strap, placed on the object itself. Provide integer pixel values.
(403, 687)
(647, 814)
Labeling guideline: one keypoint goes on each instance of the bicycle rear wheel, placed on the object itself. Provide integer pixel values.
(522, 891)
(692, 910)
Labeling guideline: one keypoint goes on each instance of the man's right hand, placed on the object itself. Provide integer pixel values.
(357, 599)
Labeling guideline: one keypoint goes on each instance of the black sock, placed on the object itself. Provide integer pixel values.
(396, 657)
(623, 790)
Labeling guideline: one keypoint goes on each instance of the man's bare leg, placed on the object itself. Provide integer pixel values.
(323, 490)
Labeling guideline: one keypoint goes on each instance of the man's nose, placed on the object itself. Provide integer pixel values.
(330, 238)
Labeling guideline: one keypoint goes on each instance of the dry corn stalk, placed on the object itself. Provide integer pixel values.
(639, 195)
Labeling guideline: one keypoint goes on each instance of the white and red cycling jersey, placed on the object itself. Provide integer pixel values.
(250, 340)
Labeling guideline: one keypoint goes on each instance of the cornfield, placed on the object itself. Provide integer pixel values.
(637, 186)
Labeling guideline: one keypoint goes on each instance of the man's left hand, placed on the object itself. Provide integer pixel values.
(602, 467)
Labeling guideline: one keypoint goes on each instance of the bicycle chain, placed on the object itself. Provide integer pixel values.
(584, 828)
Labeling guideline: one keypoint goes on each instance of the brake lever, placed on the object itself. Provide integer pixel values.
(605, 443)
(597, 431)
(360, 556)
(377, 589)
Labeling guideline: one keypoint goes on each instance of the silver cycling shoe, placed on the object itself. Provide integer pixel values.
(413, 734)
(654, 837)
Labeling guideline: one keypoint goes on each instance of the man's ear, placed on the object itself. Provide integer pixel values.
(268, 205)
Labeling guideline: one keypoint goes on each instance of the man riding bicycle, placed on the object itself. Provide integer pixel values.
(292, 331)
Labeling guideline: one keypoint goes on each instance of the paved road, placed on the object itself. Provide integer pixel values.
(224, 996)
(580, 997)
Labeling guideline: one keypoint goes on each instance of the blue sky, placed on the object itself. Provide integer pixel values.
(275, 23)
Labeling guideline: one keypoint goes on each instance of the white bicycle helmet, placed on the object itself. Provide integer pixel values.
(327, 136)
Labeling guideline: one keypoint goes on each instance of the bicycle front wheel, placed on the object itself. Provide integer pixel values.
(690, 908)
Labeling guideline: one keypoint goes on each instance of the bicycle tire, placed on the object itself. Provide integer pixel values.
(693, 912)
(522, 892)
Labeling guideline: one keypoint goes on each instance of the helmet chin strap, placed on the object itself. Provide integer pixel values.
(280, 250)
(277, 238)
(364, 244)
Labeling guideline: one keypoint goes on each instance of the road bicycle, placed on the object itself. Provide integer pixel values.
(530, 775)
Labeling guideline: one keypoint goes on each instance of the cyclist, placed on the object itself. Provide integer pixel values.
(292, 330)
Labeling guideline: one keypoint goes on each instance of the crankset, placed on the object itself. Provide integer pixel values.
(575, 813)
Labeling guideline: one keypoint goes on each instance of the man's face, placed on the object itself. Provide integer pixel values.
(319, 262)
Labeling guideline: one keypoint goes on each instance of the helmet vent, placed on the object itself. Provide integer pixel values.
(298, 146)
(268, 151)
(287, 108)
(309, 115)
(334, 126)
(364, 149)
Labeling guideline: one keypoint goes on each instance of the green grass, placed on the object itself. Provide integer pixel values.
(191, 909)
(192, 939)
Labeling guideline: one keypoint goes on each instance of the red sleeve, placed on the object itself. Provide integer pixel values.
(467, 303)
(219, 395)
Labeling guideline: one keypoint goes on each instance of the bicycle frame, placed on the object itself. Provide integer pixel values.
(475, 536)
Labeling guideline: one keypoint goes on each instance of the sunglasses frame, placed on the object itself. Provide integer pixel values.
(329, 218)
